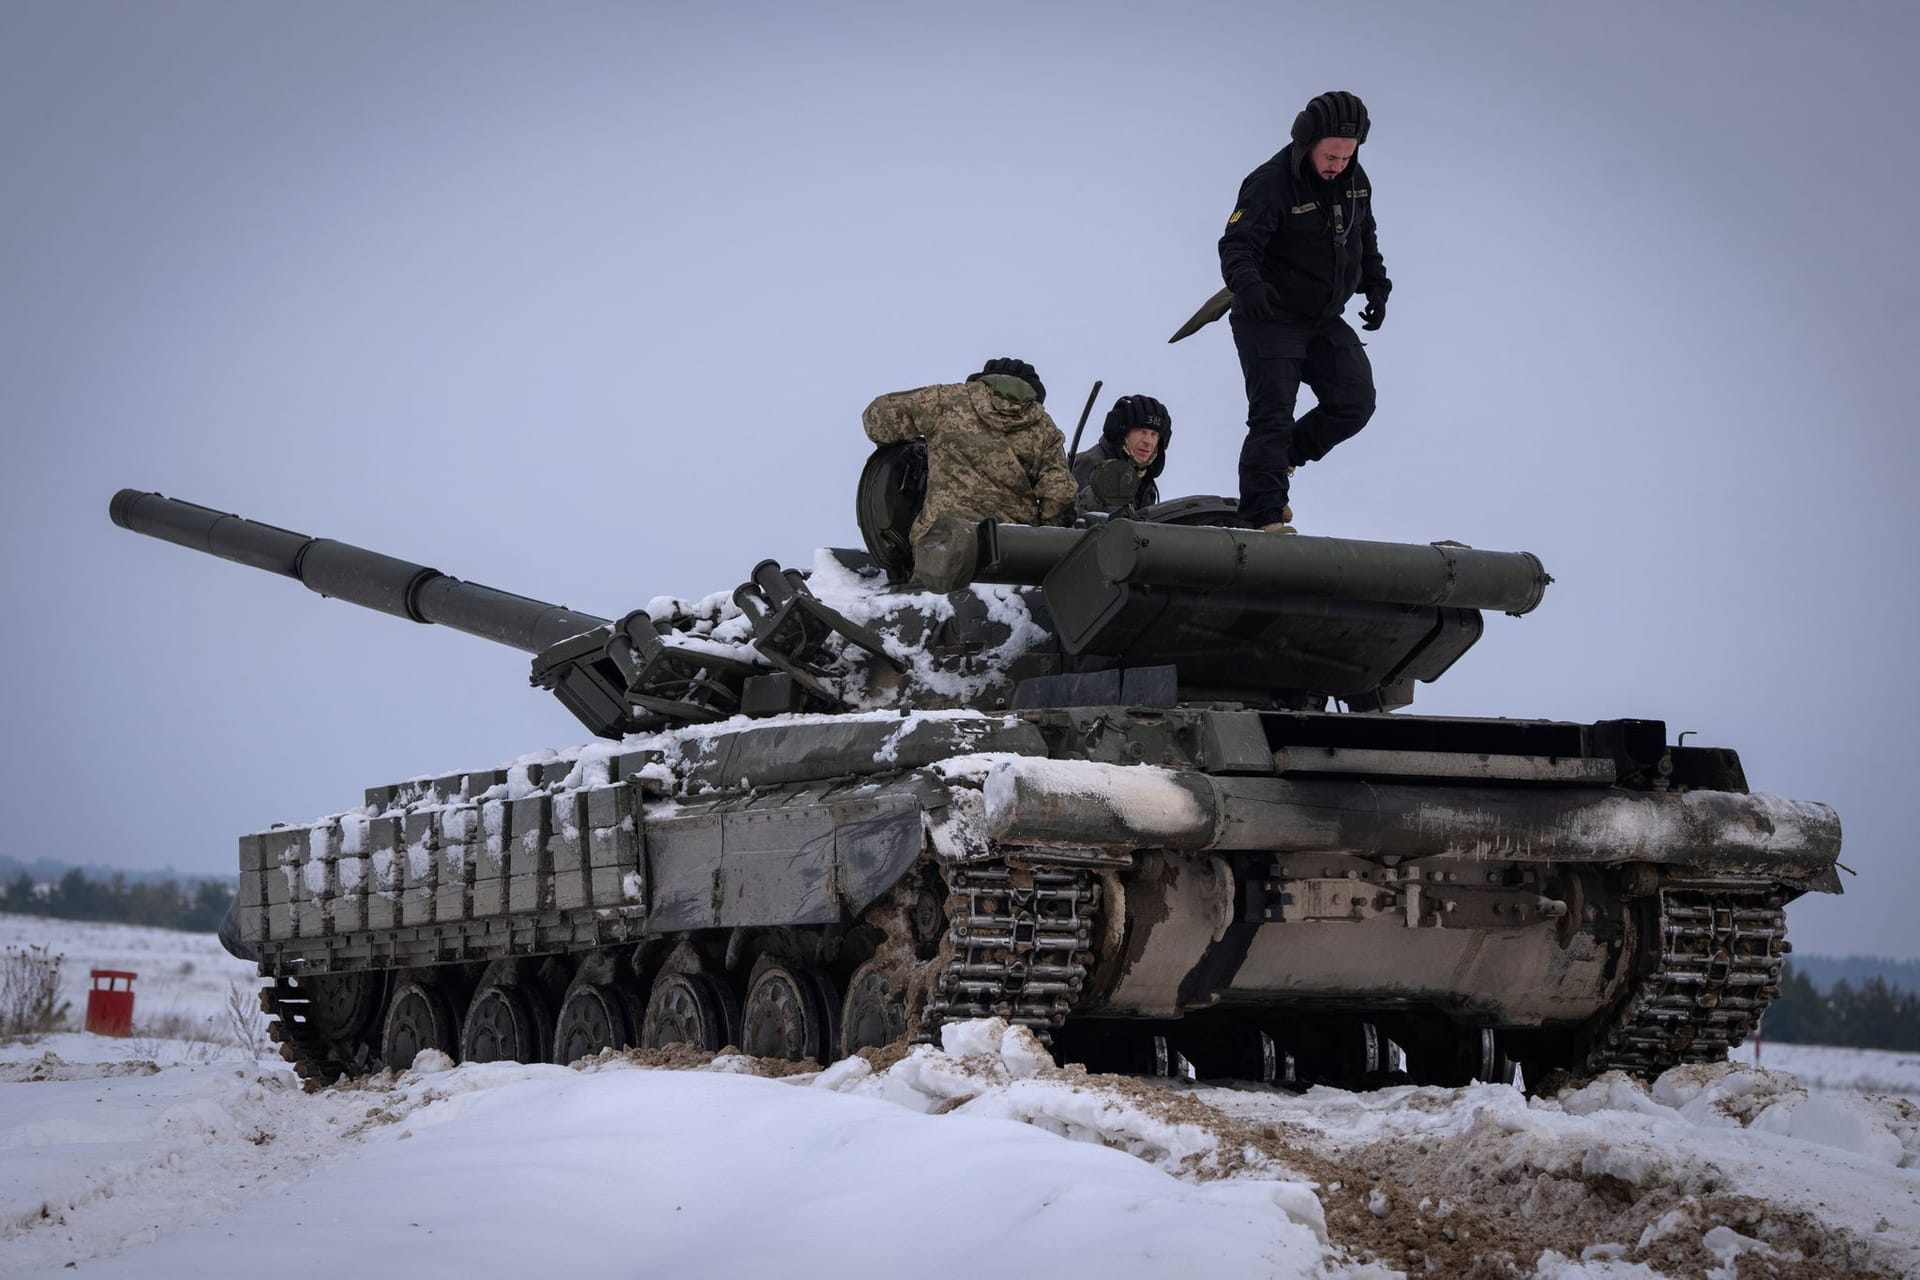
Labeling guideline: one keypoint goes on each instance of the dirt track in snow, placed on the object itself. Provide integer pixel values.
(1488, 1199)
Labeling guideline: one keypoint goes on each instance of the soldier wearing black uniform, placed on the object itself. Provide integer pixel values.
(1300, 243)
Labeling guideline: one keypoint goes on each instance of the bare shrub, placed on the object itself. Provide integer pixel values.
(175, 1035)
(245, 1022)
(30, 1001)
(155, 1049)
(176, 1024)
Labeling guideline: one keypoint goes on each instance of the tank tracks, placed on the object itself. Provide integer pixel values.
(1022, 942)
(1720, 957)
(317, 1058)
(1022, 939)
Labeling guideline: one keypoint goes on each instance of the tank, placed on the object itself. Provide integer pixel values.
(1147, 786)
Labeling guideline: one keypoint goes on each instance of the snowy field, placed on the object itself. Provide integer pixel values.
(180, 1153)
(187, 981)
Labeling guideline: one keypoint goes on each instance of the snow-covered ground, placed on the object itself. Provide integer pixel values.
(1825, 1070)
(182, 1154)
(187, 989)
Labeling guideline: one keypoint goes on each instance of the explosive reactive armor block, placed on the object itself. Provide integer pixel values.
(386, 858)
(529, 862)
(456, 858)
(614, 847)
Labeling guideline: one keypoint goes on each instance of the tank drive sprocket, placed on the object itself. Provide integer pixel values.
(1021, 940)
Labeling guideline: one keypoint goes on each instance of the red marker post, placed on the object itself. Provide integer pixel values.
(110, 1006)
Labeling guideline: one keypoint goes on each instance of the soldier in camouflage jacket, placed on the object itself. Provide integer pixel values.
(991, 448)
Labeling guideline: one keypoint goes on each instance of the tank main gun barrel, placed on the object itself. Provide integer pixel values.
(354, 574)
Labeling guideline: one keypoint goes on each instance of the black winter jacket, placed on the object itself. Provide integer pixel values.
(1314, 241)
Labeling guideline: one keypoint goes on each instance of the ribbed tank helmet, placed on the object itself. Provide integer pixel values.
(1015, 369)
(1334, 114)
(1129, 412)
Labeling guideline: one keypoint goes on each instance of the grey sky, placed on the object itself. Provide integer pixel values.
(583, 301)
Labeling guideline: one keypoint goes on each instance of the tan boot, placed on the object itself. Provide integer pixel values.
(1278, 527)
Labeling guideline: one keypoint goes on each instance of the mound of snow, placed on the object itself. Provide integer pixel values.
(1729, 1095)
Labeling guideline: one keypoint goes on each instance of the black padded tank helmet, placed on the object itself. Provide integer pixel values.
(1129, 412)
(1332, 115)
(1015, 369)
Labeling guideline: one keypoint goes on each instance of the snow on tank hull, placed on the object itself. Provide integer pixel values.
(1218, 900)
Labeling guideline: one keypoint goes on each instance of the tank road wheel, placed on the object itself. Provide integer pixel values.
(1258, 1056)
(873, 1013)
(687, 1008)
(1479, 1056)
(1340, 1050)
(1237, 1050)
(1362, 1053)
(1118, 1047)
(786, 1016)
(1443, 1052)
(501, 1026)
(417, 1019)
(338, 1006)
(593, 1018)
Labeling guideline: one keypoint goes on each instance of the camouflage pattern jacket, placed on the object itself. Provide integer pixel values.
(987, 455)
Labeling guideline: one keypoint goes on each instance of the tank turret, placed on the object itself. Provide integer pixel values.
(1211, 612)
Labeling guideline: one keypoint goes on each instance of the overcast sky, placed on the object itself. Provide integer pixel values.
(583, 301)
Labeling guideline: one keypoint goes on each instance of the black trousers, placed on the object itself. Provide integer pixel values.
(1276, 358)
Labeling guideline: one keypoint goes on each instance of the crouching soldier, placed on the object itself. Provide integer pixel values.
(992, 450)
(1135, 436)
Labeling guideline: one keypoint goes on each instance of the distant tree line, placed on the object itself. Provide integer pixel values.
(1869, 1015)
(1901, 975)
(198, 906)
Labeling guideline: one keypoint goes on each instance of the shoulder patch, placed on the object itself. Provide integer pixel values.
(1236, 216)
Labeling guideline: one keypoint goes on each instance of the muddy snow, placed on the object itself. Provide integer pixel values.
(181, 1151)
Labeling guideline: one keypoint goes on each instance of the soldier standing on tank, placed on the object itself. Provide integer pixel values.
(1300, 243)
(1136, 430)
(992, 451)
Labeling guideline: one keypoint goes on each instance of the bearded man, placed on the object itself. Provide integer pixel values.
(1300, 244)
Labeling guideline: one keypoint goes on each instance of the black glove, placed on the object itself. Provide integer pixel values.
(1257, 301)
(1374, 314)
